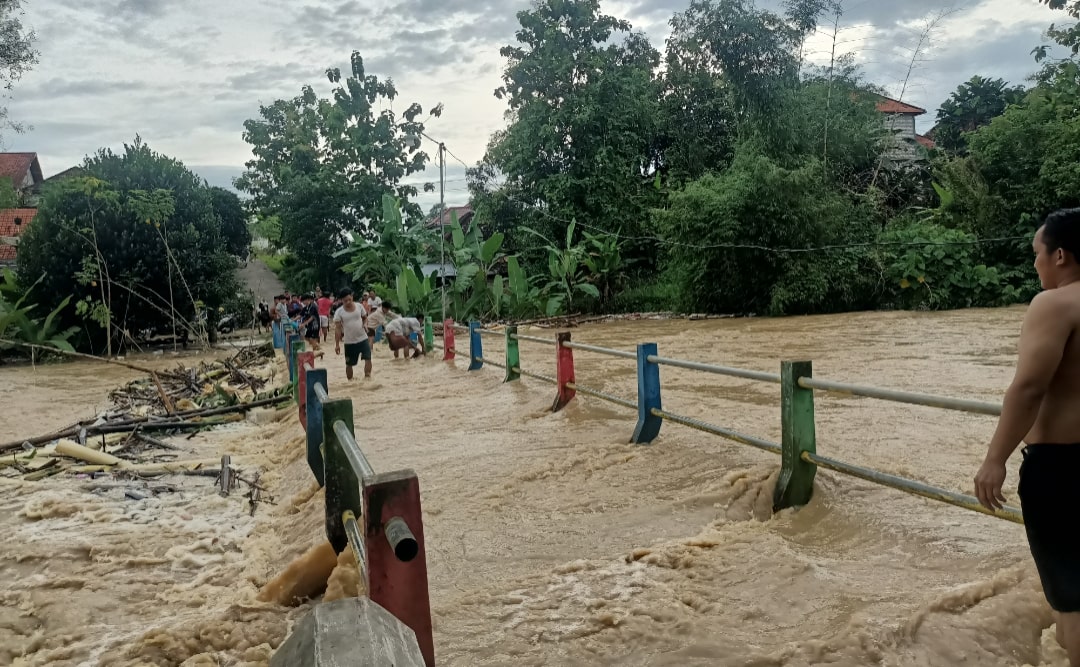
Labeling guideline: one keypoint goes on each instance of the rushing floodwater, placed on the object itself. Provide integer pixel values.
(551, 540)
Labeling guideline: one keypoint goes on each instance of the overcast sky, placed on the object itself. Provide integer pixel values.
(185, 74)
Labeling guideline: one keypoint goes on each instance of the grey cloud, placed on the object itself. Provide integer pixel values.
(57, 87)
(271, 77)
(220, 175)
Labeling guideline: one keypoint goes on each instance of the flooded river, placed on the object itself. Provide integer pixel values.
(551, 541)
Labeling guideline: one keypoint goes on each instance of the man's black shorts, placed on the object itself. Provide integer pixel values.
(1048, 494)
(354, 352)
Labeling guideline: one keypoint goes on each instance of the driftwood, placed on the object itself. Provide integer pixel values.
(145, 422)
(80, 355)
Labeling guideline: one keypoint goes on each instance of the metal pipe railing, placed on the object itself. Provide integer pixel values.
(601, 395)
(727, 433)
(600, 350)
(534, 339)
(911, 486)
(535, 376)
(352, 451)
(760, 376)
(896, 396)
(356, 539)
(320, 393)
(488, 361)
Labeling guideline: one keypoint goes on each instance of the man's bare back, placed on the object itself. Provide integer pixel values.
(1058, 421)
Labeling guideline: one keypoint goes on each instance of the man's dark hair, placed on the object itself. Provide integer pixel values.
(308, 297)
(419, 316)
(1062, 230)
(344, 293)
(387, 305)
(279, 297)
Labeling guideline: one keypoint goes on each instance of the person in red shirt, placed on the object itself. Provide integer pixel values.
(323, 302)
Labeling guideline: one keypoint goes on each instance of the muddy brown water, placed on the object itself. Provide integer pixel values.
(551, 540)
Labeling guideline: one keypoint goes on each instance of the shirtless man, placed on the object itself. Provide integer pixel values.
(1041, 409)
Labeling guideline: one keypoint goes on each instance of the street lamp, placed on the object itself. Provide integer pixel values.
(414, 141)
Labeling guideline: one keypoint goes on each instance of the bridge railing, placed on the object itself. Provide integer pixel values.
(377, 514)
(799, 458)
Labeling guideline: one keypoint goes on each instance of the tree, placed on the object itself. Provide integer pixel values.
(583, 98)
(234, 226)
(753, 55)
(974, 104)
(322, 166)
(136, 244)
(17, 53)
(733, 230)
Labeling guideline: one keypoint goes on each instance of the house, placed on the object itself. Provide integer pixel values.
(465, 215)
(13, 222)
(900, 119)
(73, 172)
(24, 170)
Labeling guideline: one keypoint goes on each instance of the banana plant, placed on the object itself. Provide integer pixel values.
(475, 259)
(565, 273)
(416, 294)
(395, 248)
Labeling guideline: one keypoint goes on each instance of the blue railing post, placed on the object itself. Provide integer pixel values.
(648, 396)
(315, 423)
(476, 349)
(795, 485)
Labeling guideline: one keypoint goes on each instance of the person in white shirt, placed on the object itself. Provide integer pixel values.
(398, 331)
(373, 301)
(379, 318)
(349, 322)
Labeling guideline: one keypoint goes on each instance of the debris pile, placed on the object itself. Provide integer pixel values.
(209, 385)
(123, 448)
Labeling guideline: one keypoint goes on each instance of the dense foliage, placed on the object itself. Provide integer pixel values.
(724, 174)
(135, 243)
(322, 166)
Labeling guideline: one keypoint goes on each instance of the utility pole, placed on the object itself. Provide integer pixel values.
(442, 226)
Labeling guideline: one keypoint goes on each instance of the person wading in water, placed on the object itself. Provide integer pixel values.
(1041, 409)
(351, 331)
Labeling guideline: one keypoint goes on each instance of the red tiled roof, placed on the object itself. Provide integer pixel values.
(445, 219)
(926, 142)
(9, 228)
(888, 105)
(15, 166)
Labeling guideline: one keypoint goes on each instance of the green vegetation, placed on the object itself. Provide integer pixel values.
(735, 178)
(136, 245)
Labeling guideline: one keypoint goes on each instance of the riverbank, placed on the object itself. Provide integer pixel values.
(551, 541)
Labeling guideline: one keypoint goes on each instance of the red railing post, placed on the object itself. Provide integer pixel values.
(448, 340)
(302, 361)
(396, 561)
(564, 359)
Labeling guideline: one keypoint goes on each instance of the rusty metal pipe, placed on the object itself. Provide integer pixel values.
(401, 539)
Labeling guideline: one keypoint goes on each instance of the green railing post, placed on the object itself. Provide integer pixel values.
(342, 486)
(795, 485)
(294, 368)
(429, 336)
(513, 356)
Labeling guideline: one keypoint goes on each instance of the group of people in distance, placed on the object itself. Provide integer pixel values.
(355, 322)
